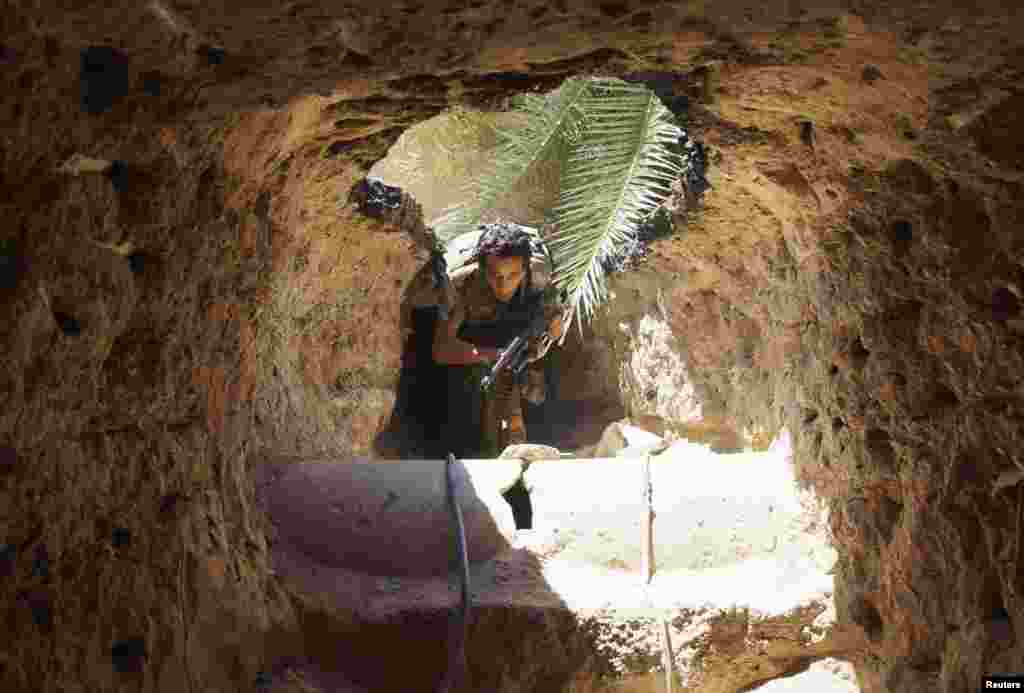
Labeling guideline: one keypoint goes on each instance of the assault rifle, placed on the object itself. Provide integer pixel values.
(515, 356)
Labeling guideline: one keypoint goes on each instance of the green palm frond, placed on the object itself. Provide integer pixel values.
(550, 123)
(617, 174)
(608, 145)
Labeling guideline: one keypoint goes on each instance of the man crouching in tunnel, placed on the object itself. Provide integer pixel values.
(490, 308)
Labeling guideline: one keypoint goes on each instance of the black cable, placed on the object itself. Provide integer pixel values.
(459, 627)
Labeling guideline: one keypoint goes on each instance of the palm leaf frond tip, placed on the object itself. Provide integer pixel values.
(604, 199)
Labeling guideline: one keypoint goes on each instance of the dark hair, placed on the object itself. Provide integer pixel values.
(505, 239)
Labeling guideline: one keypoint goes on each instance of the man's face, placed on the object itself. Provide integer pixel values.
(504, 275)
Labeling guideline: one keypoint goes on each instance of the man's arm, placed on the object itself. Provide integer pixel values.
(539, 347)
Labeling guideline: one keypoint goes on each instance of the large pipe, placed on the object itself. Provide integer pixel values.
(385, 527)
(390, 518)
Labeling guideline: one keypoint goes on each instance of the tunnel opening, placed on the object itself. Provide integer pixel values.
(436, 162)
(437, 410)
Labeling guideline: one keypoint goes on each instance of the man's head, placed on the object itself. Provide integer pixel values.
(504, 255)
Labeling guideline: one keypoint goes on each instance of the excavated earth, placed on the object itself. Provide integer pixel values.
(202, 298)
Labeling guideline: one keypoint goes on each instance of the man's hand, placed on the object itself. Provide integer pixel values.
(554, 332)
(556, 328)
(487, 354)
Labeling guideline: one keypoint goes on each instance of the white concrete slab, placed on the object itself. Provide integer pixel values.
(824, 676)
(712, 510)
(729, 529)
